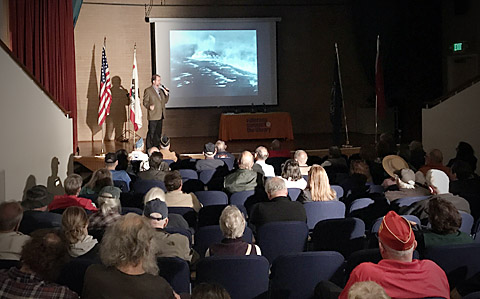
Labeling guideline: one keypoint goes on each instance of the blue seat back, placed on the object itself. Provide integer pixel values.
(122, 185)
(338, 189)
(378, 222)
(208, 198)
(283, 237)
(467, 222)
(188, 174)
(320, 210)
(179, 230)
(406, 201)
(293, 193)
(176, 271)
(126, 210)
(211, 234)
(242, 276)
(239, 198)
(206, 175)
(295, 276)
(360, 203)
(143, 186)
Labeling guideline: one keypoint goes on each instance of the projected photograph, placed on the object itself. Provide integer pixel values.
(213, 62)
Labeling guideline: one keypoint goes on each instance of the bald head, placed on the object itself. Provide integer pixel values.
(301, 157)
(261, 153)
(10, 216)
(220, 146)
(246, 160)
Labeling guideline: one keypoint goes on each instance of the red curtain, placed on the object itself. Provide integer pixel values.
(42, 38)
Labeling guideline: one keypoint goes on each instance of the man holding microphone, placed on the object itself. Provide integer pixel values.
(154, 99)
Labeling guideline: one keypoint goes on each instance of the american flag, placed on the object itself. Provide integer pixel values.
(105, 91)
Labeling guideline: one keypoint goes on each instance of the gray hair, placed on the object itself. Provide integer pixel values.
(72, 183)
(11, 214)
(109, 204)
(246, 160)
(262, 153)
(438, 180)
(154, 193)
(129, 242)
(301, 156)
(232, 222)
(274, 185)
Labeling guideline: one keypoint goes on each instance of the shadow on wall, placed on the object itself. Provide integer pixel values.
(31, 181)
(118, 111)
(93, 98)
(54, 183)
(70, 164)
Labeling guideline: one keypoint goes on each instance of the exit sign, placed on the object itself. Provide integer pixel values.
(459, 47)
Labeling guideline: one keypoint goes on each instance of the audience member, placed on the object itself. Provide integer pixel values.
(75, 228)
(405, 186)
(165, 149)
(465, 153)
(244, 178)
(100, 178)
(279, 207)
(318, 188)
(157, 168)
(111, 163)
(35, 214)
(122, 160)
(73, 185)
(392, 164)
(165, 244)
(445, 222)
(129, 267)
(232, 224)
(209, 291)
(175, 197)
(417, 155)
(209, 162)
(175, 220)
(138, 153)
(367, 290)
(292, 176)
(221, 149)
(260, 166)
(466, 185)
(398, 273)
(145, 165)
(108, 211)
(277, 151)
(301, 157)
(43, 256)
(11, 240)
(335, 160)
(434, 160)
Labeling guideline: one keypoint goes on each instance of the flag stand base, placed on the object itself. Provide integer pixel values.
(347, 146)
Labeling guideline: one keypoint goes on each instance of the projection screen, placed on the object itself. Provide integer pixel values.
(216, 62)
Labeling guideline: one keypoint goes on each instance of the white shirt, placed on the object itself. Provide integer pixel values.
(300, 184)
(268, 170)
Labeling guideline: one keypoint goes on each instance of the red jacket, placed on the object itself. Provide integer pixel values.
(65, 201)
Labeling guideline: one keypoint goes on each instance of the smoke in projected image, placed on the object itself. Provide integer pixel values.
(215, 62)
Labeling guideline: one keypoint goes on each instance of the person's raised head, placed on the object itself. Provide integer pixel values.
(232, 222)
(261, 153)
(220, 146)
(45, 254)
(37, 198)
(127, 243)
(246, 160)
(74, 224)
(157, 213)
(109, 200)
(73, 184)
(435, 156)
(275, 187)
(301, 157)
(155, 160)
(173, 180)
(11, 214)
(443, 216)
(437, 181)
(154, 193)
(396, 238)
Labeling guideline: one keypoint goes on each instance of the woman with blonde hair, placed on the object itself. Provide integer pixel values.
(75, 229)
(100, 178)
(318, 188)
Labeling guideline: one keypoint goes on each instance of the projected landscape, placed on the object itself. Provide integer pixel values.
(213, 62)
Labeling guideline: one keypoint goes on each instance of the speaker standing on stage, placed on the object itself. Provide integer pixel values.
(154, 99)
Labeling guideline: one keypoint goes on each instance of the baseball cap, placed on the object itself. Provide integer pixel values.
(396, 232)
(110, 158)
(110, 192)
(165, 141)
(154, 207)
(209, 148)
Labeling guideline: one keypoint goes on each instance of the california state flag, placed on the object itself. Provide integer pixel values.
(135, 107)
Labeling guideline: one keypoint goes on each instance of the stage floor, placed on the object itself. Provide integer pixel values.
(313, 144)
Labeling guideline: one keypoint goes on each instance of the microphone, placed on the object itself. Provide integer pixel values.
(163, 86)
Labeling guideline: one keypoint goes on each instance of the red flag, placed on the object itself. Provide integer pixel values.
(105, 90)
(379, 91)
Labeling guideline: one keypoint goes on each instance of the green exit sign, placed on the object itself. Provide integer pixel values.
(457, 47)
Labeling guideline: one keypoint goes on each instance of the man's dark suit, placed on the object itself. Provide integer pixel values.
(155, 116)
(277, 209)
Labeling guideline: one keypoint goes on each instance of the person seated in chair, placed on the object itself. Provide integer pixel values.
(301, 157)
(292, 176)
(232, 224)
(221, 149)
(75, 229)
(11, 240)
(165, 244)
(279, 207)
(244, 178)
(175, 197)
(398, 273)
(111, 163)
(43, 256)
(209, 162)
(165, 149)
(73, 185)
(108, 211)
(157, 168)
(261, 154)
(35, 214)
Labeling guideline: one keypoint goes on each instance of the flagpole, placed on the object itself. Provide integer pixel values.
(376, 95)
(343, 101)
(102, 152)
(132, 132)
